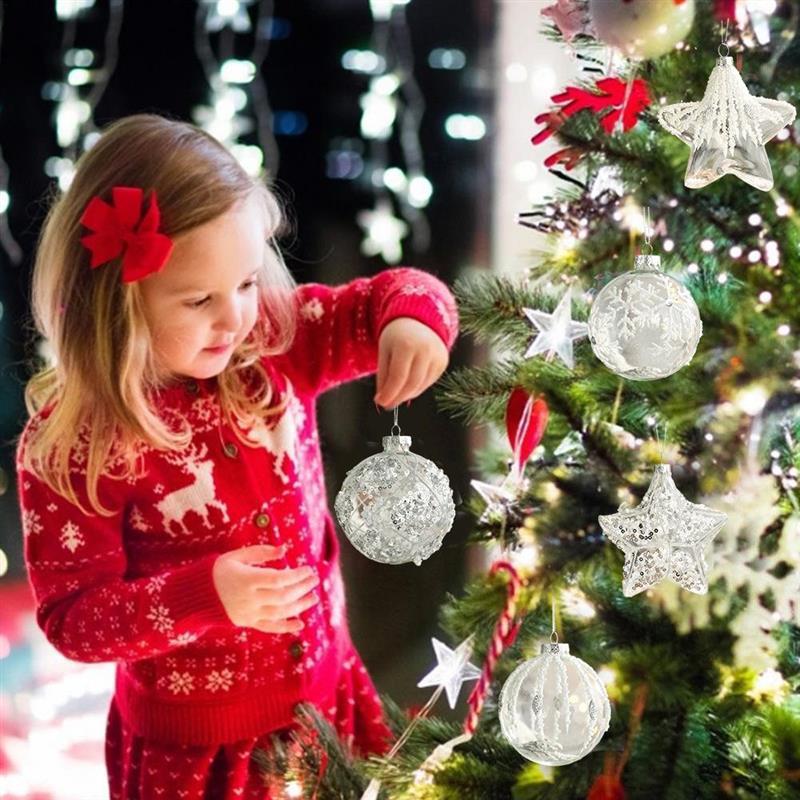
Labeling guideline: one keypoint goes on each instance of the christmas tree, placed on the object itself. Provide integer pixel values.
(696, 641)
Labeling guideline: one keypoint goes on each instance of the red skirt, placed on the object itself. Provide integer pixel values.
(141, 769)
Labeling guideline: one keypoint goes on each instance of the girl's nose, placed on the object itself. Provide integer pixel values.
(231, 317)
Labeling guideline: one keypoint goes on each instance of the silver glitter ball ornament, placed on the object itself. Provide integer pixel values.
(396, 506)
(554, 708)
(644, 324)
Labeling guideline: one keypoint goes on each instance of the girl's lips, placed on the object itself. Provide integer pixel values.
(218, 349)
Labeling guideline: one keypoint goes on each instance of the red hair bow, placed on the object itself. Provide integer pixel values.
(121, 226)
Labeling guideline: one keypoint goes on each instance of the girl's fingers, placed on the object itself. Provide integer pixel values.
(279, 578)
(400, 365)
(279, 626)
(287, 610)
(415, 384)
(384, 364)
(276, 597)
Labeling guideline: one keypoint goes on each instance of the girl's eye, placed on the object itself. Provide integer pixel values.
(199, 303)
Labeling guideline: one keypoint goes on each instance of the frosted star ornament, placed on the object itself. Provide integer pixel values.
(557, 331)
(727, 130)
(452, 670)
(665, 536)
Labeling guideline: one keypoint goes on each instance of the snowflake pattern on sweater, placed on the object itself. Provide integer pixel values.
(137, 587)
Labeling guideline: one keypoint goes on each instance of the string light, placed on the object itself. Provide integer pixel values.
(74, 113)
(239, 102)
(391, 110)
(293, 789)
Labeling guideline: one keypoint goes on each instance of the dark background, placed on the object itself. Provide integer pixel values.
(392, 609)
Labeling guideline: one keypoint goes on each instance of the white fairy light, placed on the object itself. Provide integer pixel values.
(465, 126)
(420, 190)
(754, 256)
(706, 245)
(365, 61)
(693, 268)
(722, 278)
(384, 232)
(752, 400)
(754, 219)
(237, 70)
(668, 245)
(784, 330)
(69, 9)
(735, 251)
(395, 179)
(765, 296)
(772, 254)
(516, 72)
(447, 58)
(525, 171)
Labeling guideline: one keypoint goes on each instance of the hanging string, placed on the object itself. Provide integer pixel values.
(628, 92)
(723, 36)
(648, 224)
(554, 633)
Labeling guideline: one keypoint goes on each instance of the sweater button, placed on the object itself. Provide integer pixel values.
(192, 387)
(231, 450)
(262, 520)
(296, 650)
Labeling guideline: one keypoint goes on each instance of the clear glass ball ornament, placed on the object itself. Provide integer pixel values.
(644, 324)
(554, 708)
(396, 506)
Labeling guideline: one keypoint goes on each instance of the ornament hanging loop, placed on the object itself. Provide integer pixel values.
(554, 634)
(395, 427)
(723, 45)
(647, 248)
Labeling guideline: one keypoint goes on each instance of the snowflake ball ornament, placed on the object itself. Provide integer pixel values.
(554, 708)
(641, 28)
(665, 536)
(727, 130)
(395, 506)
(644, 324)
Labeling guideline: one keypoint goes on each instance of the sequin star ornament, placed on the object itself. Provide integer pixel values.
(665, 536)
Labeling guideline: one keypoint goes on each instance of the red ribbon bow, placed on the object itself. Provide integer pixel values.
(118, 227)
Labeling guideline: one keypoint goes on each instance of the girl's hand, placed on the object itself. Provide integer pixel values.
(411, 357)
(260, 597)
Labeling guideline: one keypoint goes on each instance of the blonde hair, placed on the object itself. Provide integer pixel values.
(103, 372)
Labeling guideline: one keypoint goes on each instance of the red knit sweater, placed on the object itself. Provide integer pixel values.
(137, 588)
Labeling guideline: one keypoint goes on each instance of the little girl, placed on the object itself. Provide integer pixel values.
(170, 476)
